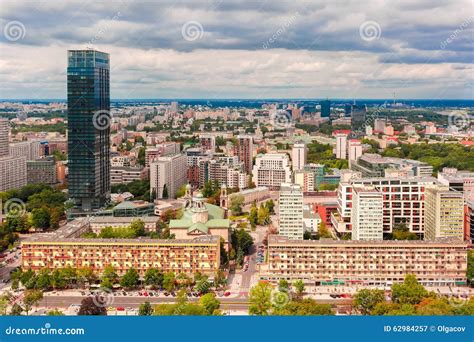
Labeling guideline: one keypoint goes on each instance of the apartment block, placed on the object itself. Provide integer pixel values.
(319, 262)
(367, 214)
(201, 254)
(271, 170)
(167, 175)
(444, 213)
(403, 201)
(291, 211)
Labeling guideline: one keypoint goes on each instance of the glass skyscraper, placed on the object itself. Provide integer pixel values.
(88, 100)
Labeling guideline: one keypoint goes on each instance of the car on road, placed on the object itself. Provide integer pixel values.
(227, 294)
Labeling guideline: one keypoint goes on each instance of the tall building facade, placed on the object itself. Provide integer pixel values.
(167, 175)
(341, 146)
(444, 213)
(299, 155)
(4, 150)
(358, 117)
(367, 214)
(88, 128)
(271, 170)
(291, 212)
(245, 151)
(325, 108)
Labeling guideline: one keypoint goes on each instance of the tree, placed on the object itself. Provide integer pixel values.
(145, 309)
(260, 299)
(241, 239)
(109, 277)
(138, 227)
(40, 218)
(299, 288)
(154, 278)
(90, 308)
(236, 203)
(169, 281)
(181, 191)
(271, 206)
(402, 232)
(305, 307)
(202, 286)
(130, 279)
(434, 307)
(16, 310)
(86, 275)
(210, 303)
(253, 216)
(409, 292)
(31, 298)
(55, 312)
(470, 266)
(43, 280)
(4, 301)
(323, 231)
(165, 192)
(365, 300)
(283, 285)
(263, 215)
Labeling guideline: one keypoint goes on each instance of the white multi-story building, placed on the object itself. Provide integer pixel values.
(403, 201)
(4, 150)
(367, 214)
(305, 179)
(163, 149)
(355, 150)
(458, 180)
(444, 213)
(299, 156)
(12, 172)
(28, 149)
(167, 175)
(311, 220)
(341, 146)
(291, 212)
(271, 170)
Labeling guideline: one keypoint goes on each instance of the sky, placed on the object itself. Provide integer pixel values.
(244, 49)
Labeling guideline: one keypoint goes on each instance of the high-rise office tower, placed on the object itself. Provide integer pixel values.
(4, 151)
(291, 211)
(299, 156)
(245, 151)
(325, 108)
(88, 128)
(358, 117)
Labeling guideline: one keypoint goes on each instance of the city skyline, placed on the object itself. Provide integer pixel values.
(265, 50)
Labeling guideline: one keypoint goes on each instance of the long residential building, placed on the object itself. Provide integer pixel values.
(374, 165)
(440, 262)
(201, 254)
(403, 202)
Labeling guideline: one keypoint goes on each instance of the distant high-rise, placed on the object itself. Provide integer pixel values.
(358, 117)
(4, 151)
(245, 151)
(88, 128)
(325, 108)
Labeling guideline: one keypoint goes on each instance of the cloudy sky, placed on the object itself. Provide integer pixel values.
(244, 49)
